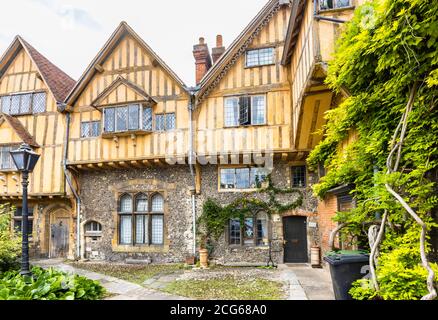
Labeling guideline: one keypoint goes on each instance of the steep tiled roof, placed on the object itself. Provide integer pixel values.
(58, 81)
(16, 125)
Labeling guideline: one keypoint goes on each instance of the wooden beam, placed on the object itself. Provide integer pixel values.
(136, 164)
(198, 181)
(123, 164)
(284, 157)
(234, 158)
(113, 164)
(99, 68)
(158, 163)
(147, 163)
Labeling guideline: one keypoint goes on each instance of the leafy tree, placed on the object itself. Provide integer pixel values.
(387, 59)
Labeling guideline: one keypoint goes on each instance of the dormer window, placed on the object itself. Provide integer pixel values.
(133, 117)
(21, 104)
(334, 4)
(260, 57)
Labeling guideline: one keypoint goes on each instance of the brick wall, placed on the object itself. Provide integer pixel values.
(327, 209)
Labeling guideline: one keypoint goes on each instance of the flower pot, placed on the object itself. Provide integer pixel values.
(203, 258)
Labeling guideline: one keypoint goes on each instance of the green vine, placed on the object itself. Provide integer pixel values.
(215, 216)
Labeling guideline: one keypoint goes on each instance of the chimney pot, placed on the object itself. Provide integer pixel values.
(201, 40)
(202, 59)
(219, 50)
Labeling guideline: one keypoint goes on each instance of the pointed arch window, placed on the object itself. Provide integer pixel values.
(141, 219)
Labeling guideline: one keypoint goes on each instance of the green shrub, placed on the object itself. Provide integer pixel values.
(10, 242)
(400, 274)
(48, 285)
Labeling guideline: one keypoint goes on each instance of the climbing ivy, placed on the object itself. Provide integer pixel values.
(215, 216)
(388, 49)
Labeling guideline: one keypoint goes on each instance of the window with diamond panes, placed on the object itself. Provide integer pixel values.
(170, 121)
(134, 117)
(141, 219)
(147, 118)
(159, 122)
(28, 103)
(90, 129)
(260, 57)
(109, 118)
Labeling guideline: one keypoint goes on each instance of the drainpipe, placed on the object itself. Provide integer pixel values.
(191, 106)
(69, 182)
(319, 17)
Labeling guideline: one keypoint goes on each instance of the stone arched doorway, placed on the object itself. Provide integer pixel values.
(59, 233)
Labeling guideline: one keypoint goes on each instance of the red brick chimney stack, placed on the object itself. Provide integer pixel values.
(202, 59)
(219, 50)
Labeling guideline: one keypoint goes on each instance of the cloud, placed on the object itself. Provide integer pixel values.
(71, 17)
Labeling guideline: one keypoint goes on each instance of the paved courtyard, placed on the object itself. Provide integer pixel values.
(301, 281)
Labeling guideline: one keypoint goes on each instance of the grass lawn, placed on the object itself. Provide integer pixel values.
(131, 273)
(227, 288)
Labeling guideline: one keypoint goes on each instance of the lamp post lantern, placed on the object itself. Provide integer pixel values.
(25, 160)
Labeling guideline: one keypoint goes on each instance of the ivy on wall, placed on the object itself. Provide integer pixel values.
(387, 58)
(215, 216)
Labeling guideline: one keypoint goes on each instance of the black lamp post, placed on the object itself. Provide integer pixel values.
(25, 160)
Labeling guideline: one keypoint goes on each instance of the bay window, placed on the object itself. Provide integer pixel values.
(132, 117)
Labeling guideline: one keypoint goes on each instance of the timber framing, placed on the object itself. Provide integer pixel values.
(122, 30)
(239, 46)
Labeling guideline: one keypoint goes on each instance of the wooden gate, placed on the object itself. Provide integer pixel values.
(295, 239)
(59, 234)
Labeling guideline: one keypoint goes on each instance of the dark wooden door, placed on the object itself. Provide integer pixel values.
(59, 238)
(295, 239)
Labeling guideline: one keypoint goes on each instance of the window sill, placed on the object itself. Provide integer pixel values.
(251, 247)
(8, 170)
(111, 135)
(260, 66)
(122, 248)
(238, 190)
(246, 126)
(93, 234)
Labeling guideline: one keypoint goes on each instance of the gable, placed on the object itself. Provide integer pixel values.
(126, 55)
(122, 91)
(267, 29)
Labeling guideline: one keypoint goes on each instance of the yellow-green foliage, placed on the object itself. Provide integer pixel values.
(10, 242)
(389, 46)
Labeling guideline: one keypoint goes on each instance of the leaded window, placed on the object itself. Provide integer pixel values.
(253, 232)
(126, 118)
(245, 110)
(260, 57)
(93, 227)
(27, 103)
(333, 4)
(141, 219)
(147, 118)
(6, 162)
(298, 176)
(165, 121)
(242, 178)
(90, 129)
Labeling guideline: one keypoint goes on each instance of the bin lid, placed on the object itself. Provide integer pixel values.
(346, 256)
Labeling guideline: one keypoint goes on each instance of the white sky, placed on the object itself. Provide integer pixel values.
(71, 32)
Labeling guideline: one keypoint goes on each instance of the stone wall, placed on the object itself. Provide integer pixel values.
(99, 194)
(224, 253)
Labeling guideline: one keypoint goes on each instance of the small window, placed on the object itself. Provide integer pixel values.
(260, 57)
(164, 122)
(334, 4)
(18, 218)
(6, 162)
(298, 176)
(345, 202)
(245, 110)
(90, 129)
(19, 104)
(242, 178)
(254, 232)
(93, 227)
